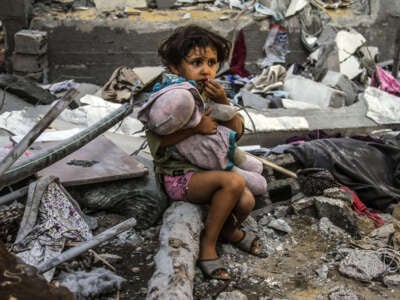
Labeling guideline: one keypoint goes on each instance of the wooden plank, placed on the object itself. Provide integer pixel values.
(98, 161)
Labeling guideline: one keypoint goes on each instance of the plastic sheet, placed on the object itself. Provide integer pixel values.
(370, 169)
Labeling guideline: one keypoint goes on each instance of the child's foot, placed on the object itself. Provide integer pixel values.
(214, 268)
(249, 243)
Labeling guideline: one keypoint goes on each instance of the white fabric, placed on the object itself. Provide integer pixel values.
(382, 107)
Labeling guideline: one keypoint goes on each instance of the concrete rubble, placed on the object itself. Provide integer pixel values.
(319, 92)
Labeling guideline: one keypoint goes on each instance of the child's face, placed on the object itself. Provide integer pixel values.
(200, 65)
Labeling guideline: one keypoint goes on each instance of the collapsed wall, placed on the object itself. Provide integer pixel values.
(88, 45)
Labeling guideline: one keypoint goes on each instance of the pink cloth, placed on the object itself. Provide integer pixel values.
(208, 151)
(384, 81)
(176, 186)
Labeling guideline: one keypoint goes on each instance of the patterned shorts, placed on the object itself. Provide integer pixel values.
(176, 186)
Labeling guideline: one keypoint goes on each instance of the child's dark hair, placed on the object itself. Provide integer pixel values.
(178, 45)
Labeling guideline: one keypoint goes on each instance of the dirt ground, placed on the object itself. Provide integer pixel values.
(291, 272)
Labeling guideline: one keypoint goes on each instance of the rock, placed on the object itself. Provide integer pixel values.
(305, 206)
(280, 225)
(328, 229)
(26, 89)
(362, 265)
(392, 280)
(342, 293)
(339, 213)
(235, 295)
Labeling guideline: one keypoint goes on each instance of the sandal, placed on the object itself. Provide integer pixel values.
(210, 268)
(247, 242)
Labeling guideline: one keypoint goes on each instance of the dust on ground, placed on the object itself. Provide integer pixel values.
(291, 272)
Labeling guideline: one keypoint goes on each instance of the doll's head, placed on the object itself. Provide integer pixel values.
(177, 106)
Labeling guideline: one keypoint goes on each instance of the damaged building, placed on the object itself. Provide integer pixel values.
(81, 214)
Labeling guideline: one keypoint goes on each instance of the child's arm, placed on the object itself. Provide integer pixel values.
(216, 93)
(207, 125)
(236, 124)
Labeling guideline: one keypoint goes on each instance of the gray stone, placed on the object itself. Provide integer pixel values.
(342, 293)
(322, 271)
(31, 42)
(341, 82)
(25, 89)
(281, 211)
(392, 280)
(328, 230)
(340, 214)
(253, 100)
(305, 206)
(29, 63)
(280, 225)
(235, 295)
(362, 265)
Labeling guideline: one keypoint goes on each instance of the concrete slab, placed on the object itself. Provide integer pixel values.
(346, 120)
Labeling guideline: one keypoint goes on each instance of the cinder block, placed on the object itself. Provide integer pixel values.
(30, 42)
(29, 63)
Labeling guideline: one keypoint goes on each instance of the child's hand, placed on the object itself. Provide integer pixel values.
(215, 92)
(207, 124)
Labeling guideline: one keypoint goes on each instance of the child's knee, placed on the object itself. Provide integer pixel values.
(236, 182)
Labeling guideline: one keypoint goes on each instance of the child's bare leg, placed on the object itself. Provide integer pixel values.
(223, 191)
(231, 231)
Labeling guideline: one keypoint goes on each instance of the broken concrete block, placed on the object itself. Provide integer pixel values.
(254, 100)
(350, 66)
(305, 206)
(29, 63)
(349, 41)
(27, 90)
(30, 42)
(341, 82)
(310, 91)
(362, 265)
(340, 214)
(325, 58)
(392, 280)
(382, 107)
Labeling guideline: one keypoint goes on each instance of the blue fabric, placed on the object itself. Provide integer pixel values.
(231, 151)
(170, 79)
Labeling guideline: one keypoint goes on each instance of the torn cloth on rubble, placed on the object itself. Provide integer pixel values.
(119, 87)
(361, 209)
(51, 217)
(237, 65)
(370, 169)
(384, 81)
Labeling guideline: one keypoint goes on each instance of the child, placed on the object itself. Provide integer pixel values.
(194, 53)
(180, 106)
